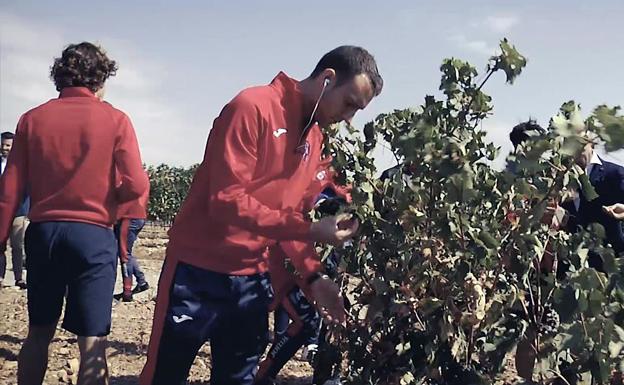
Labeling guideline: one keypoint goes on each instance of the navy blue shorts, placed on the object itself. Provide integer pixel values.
(228, 310)
(75, 261)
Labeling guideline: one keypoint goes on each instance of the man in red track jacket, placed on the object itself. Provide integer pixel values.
(64, 155)
(263, 153)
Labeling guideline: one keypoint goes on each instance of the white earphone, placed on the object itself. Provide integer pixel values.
(307, 126)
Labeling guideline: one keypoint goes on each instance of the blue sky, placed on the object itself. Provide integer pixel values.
(180, 62)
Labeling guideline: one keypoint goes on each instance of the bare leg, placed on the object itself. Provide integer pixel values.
(93, 366)
(33, 357)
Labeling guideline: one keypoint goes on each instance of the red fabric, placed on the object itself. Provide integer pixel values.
(65, 153)
(248, 191)
(343, 191)
(136, 208)
(160, 311)
(124, 224)
(282, 280)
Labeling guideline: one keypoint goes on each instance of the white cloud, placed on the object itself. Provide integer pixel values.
(476, 46)
(480, 46)
(498, 24)
(501, 24)
(27, 49)
(17, 34)
(25, 57)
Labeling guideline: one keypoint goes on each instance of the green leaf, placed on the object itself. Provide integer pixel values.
(453, 216)
(589, 192)
(408, 378)
(610, 126)
(369, 132)
(510, 61)
(489, 240)
(566, 303)
(596, 301)
(569, 125)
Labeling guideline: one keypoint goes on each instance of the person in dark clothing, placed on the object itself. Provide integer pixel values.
(18, 228)
(574, 213)
(608, 181)
(131, 217)
(127, 231)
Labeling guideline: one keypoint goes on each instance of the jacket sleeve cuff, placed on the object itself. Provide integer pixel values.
(300, 230)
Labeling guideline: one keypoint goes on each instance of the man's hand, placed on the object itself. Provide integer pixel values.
(326, 295)
(334, 230)
(615, 211)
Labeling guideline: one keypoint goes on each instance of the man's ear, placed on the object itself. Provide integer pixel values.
(328, 76)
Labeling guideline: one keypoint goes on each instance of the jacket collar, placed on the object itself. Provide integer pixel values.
(595, 169)
(290, 95)
(72, 92)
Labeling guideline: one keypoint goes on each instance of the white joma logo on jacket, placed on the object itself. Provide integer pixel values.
(182, 318)
(277, 133)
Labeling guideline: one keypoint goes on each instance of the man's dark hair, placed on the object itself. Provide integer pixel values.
(7, 135)
(349, 61)
(519, 133)
(82, 65)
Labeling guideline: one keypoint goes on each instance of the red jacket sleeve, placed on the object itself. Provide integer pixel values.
(122, 239)
(13, 180)
(231, 157)
(134, 181)
(303, 257)
(136, 208)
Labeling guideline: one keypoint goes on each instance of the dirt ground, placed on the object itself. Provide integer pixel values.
(129, 337)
